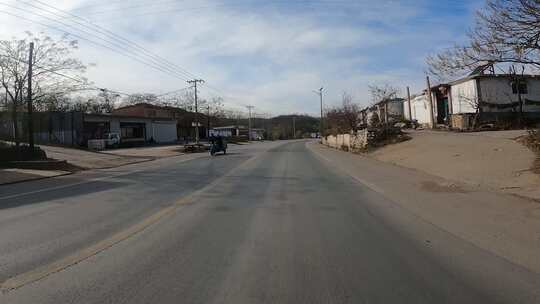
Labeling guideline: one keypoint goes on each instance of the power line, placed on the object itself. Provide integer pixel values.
(116, 37)
(123, 8)
(218, 5)
(122, 49)
(163, 62)
(67, 76)
(112, 36)
(173, 92)
(90, 41)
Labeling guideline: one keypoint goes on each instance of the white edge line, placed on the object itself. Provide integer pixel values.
(359, 180)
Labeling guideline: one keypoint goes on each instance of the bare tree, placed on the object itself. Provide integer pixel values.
(142, 98)
(344, 118)
(382, 92)
(50, 61)
(506, 31)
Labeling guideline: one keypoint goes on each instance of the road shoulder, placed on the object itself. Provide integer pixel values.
(503, 224)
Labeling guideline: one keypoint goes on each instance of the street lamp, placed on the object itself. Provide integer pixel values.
(320, 93)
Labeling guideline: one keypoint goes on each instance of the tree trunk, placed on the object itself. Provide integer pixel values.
(520, 101)
(15, 127)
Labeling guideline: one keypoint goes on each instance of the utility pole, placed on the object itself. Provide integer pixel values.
(194, 82)
(294, 127)
(208, 122)
(29, 98)
(249, 122)
(409, 103)
(320, 93)
(430, 99)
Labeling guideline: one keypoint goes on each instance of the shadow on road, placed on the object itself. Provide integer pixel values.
(71, 191)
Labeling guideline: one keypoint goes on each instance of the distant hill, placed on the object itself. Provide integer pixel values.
(282, 126)
(279, 127)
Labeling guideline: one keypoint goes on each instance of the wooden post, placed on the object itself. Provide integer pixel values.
(409, 103)
(386, 112)
(450, 106)
(430, 100)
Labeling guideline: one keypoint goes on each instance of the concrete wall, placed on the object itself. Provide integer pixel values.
(464, 97)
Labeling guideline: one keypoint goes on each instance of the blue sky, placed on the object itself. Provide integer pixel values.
(270, 54)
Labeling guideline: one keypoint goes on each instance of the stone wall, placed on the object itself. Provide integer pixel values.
(355, 141)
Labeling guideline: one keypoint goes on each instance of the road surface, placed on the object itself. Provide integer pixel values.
(267, 223)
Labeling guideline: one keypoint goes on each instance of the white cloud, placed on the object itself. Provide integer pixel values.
(272, 59)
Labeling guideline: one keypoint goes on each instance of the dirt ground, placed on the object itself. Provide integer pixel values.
(493, 159)
(12, 175)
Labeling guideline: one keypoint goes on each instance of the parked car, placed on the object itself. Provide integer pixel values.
(112, 140)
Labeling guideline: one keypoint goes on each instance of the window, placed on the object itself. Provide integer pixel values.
(522, 87)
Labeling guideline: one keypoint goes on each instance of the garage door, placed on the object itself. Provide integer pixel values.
(164, 132)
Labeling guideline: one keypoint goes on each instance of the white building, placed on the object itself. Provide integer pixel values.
(419, 109)
(495, 93)
(495, 97)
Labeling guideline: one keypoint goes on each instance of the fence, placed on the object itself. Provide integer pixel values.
(62, 128)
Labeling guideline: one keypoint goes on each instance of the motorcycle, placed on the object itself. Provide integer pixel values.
(218, 145)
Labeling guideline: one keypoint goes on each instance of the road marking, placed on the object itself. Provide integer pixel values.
(367, 184)
(317, 153)
(39, 273)
(92, 180)
(44, 271)
(362, 181)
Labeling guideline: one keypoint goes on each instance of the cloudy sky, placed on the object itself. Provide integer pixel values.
(266, 53)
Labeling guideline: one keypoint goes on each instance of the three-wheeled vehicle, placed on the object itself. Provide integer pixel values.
(218, 144)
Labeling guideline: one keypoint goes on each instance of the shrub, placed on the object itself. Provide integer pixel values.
(23, 152)
(533, 140)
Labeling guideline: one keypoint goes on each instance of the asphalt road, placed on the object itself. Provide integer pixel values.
(267, 223)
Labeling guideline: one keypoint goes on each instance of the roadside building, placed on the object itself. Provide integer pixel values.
(478, 98)
(133, 130)
(388, 111)
(441, 107)
(185, 120)
(419, 109)
(494, 98)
